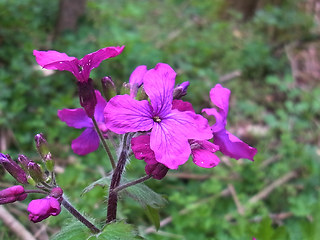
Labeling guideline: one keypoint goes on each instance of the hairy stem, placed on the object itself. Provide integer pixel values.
(79, 216)
(104, 144)
(139, 180)
(115, 181)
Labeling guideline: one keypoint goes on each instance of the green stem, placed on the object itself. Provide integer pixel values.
(79, 216)
(137, 181)
(104, 144)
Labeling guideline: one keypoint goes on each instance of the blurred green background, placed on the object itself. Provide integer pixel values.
(266, 52)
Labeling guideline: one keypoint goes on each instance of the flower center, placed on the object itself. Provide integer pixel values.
(157, 119)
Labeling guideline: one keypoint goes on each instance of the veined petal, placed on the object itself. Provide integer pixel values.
(141, 149)
(170, 146)
(101, 104)
(76, 118)
(124, 114)
(159, 84)
(232, 146)
(204, 158)
(44, 58)
(189, 124)
(86, 143)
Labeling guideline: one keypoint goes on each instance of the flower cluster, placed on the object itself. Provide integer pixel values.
(157, 127)
(28, 172)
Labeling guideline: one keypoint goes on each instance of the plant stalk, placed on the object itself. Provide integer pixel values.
(79, 216)
(137, 181)
(104, 144)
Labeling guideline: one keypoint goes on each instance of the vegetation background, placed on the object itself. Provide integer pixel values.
(267, 52)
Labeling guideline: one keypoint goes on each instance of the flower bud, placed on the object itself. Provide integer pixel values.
(24, 161)
(181, 90)
(87, 97)
(57, 193)
(12, 194)
(125, 89)
(157, 171)
(35, 172)
(41, 209)
(141, 95)
(42, 145)
(108, 87)
(13, 168)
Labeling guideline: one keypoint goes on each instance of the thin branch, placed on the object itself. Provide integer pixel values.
(137, 181)
(14, 225)
(104, 144)
(239, 206)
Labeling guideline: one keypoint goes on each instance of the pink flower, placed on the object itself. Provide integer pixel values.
(41, 209)
(12, 194)
(170, 128)
(80, 68)
(89, 140)
(229, 144)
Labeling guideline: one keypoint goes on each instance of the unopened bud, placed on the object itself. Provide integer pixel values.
(125, 89)
(57, 193)
(87, 97)
(24, 161)
(42, 145)
(49, 162)
(141, 95)
(108, 87)
(13, 168)
(35, 172)
(157, 171)
(181, 90)
(12, 194)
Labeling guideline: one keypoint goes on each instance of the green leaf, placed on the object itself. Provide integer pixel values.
(153, 215)
(102, 182)
(144, 195)
(74, 230)
(117, 231)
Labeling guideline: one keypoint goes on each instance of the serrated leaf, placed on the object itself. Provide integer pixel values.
(74, 230)
(102, 182)
(117, 231)
(144, 195)
(153, 215)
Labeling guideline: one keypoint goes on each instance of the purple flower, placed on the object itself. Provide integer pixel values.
(136, 79)
(80, 68)
(13, 168)
(170, 128)
(229, 144)
(141, 149)
(88, 141)
(41, 209)
(12, 194)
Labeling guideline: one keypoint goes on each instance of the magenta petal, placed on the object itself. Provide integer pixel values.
(221, 121)
(41, 209)
(141, 149)
(159, 84)
(220, 97)
(101, 104)
(124, 114)
(189, 125)
(44, 58)
(86, 143)
(182, 106)
(136, 79)
(76, 118)
(232, 146)
(204, 158)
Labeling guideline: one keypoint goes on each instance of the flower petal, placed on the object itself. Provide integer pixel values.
(170, 146)
(159, 84)
(101, 104)
(76, 118)
(220, 97)
(204, 158)
(232, 146)
(182, 106)
(86, 143)
(220, 123)
(136, 79)
(189, 124)
(124, 114)
(141, 149)
(44, 58)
